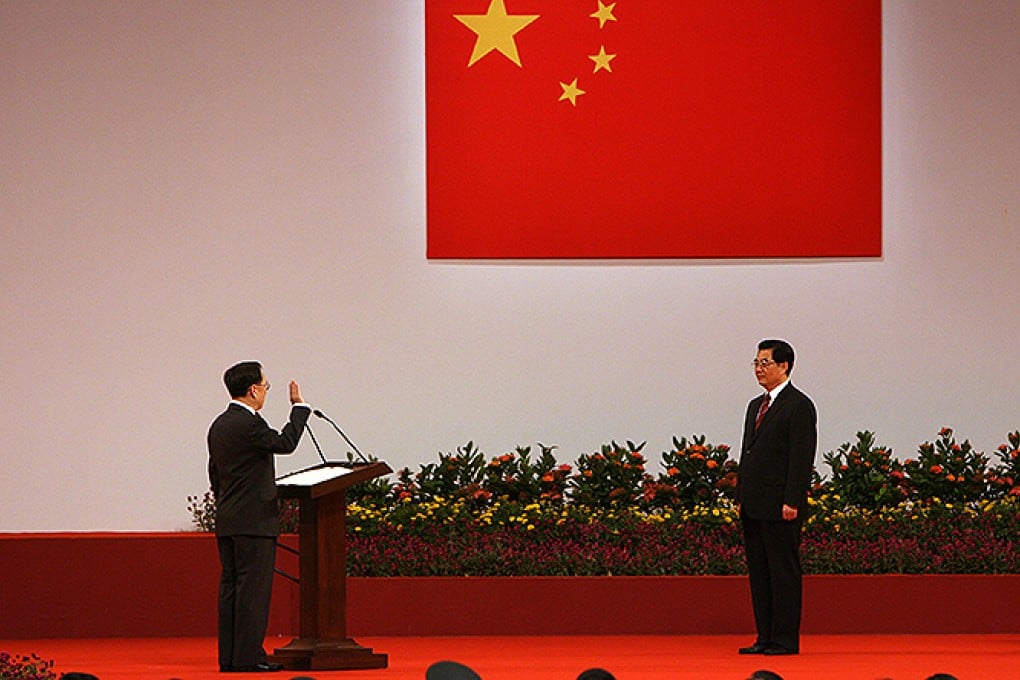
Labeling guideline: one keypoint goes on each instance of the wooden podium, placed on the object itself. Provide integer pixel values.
(323, 643)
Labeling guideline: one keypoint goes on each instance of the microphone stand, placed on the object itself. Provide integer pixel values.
(322, 415)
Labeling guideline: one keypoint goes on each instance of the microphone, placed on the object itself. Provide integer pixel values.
(336, 427)
(316, 442)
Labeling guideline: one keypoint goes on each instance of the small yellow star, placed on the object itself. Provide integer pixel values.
(602, 60)
(495, 30)
(571, 92)
(604, 14)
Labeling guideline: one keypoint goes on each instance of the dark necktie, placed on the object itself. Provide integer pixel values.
(761, 410)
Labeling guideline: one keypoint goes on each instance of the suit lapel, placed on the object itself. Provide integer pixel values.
(774, 409)
(750, 433)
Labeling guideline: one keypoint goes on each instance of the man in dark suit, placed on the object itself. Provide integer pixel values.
(776, 459)
(243, 478)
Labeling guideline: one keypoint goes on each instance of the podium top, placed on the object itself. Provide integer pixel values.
(328, 478)
(315, 475)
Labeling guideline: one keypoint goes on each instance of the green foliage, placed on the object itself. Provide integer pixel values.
(865, 475)
(947, 471)
(203, 511)
(1004, 477)
(514, 477)
(695, 474)
(456, 474)
(611, 478)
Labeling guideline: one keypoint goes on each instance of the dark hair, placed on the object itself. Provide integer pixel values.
(239, 377)
(782, 352)
(596, 674)
(765, 674)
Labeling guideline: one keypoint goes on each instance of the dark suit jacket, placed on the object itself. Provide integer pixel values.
(242, 472)
(776, 461)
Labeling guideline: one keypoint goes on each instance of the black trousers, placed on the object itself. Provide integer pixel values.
(246, 588)
(773, 564)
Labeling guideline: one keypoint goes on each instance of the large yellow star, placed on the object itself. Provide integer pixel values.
(604, 14)
(495, 30)
(571, 92)
(602, 60)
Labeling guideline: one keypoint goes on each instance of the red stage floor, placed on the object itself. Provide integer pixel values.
(823, 657)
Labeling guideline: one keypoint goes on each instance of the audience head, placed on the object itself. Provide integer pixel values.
(596, 674)
(450, 670)
(764, 674)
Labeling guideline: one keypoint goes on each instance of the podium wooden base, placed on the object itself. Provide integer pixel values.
(325, 655)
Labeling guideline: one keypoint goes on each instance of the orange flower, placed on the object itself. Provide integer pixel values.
(712, 464)
(936, 469)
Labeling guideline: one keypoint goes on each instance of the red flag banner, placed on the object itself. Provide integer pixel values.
(653, 128)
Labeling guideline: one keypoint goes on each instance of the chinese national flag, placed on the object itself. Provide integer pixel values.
(653, 128)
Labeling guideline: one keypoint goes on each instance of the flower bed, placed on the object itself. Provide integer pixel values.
(446, 539)
(949, 511)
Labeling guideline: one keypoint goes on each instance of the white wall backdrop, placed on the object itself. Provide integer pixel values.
(185, 185)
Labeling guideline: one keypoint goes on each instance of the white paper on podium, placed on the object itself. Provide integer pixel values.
(313, 476)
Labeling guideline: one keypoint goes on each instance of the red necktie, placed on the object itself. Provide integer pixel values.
(761, 410)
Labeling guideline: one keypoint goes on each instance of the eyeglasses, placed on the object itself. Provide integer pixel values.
(265, 385)
(762, 363)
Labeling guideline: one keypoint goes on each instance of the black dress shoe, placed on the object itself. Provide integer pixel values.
(756, 648)
(776, 650)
